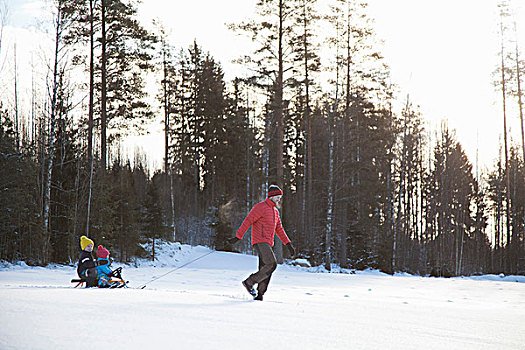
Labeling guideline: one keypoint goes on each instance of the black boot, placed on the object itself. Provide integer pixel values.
(258, 297)
(249, 288)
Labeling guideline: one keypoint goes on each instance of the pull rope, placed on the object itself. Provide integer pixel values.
(175, 269)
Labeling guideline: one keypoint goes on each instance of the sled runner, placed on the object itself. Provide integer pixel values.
(115, 280)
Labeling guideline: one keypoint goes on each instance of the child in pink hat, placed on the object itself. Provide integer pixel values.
(103, 269)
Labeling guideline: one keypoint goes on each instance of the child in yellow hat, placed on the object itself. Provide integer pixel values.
(86, 265)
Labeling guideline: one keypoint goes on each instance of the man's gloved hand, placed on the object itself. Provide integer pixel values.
(233, 240)
(291, 249)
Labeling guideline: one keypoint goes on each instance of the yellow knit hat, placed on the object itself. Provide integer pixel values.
(84, 242)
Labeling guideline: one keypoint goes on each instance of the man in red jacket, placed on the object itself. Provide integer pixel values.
(265, 222)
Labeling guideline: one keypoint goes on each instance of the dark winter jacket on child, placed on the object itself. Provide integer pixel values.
(85, 263)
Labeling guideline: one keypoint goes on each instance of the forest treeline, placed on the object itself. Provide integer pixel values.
(364, 186)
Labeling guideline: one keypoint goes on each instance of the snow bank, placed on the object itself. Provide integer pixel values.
(175, 254)
(170, 254)
(497, 278)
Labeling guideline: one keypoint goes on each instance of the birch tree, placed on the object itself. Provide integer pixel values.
(520, 68)
(61, 22)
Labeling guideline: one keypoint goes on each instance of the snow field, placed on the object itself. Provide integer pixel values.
(204, 306)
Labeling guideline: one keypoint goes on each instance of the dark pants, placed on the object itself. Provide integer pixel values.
(91, 277)
(267, 265)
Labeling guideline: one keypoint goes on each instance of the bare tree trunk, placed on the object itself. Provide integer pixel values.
(461, 233)
(514, 243)
(91, 80)
(184, 121)
(103, 112)
(390, 194)
(346, 119)
(279, 100)
(266, 156)
(248, 153)
(456, 243)
(304, 214)
(51, 149)
(422, 240)
(331, 194)
(400, 195)
(507, 177)
(308, 156)
(174, 232)
(330, 204)
(42, 150)
(520, 103)
(278, 248)
(166, 111)
(75, 215)
(499, 215)
(17, 122)
(91, 102)
(309, 179)
(196, 170)
(33, 102)
(167, 167)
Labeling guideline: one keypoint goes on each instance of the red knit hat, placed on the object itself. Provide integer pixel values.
(102, 252)
(274, 190)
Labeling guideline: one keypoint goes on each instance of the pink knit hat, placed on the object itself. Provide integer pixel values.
(102, 252)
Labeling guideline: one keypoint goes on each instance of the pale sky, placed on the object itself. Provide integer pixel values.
(442, 53)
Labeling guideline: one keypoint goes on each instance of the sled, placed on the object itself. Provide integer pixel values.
(80, 282)
(115, 280)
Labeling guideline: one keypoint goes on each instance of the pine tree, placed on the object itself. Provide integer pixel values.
(64, 219)
(307, 61)
(409, 193)
(361, 73)
(125, 53)
(153, 216)
(454, 186)
(20, 220)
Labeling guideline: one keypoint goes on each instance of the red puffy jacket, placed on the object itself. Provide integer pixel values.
(265, 221)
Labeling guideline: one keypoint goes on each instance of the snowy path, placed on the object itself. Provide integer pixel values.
(203, 306)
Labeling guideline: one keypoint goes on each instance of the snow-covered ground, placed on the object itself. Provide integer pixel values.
(204, 306)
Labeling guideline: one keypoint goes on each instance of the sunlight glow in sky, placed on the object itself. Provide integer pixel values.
(441, 53)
